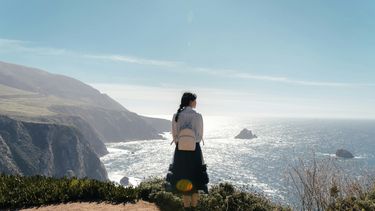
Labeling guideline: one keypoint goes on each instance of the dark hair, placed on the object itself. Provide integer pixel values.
(185, 101)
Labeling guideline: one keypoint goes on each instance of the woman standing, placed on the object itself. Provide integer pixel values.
(188, 172)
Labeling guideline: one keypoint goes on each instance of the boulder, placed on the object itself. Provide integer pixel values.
(124, 181)
(342, 153)
(246, 134)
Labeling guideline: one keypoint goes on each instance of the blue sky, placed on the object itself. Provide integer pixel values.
(267, 58)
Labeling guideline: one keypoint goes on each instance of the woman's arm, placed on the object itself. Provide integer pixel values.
(199, 127)
(174, 128)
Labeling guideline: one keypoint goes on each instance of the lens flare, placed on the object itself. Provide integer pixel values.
(184, 185)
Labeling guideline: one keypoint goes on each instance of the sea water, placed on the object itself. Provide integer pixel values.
(260, 164)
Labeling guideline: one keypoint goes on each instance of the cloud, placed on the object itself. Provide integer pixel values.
(135, 60)
(301, 82)
(11, 46)
(279, 79)
(8, 45)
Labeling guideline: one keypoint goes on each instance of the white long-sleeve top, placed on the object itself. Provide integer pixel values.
(190, 117)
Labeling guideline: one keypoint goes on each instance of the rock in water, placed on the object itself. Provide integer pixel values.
(124, 181)
(344, 153)
(246, 134)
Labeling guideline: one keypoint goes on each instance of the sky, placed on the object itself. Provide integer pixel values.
(286, 58)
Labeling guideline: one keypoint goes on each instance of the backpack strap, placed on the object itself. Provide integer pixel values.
(174, 141)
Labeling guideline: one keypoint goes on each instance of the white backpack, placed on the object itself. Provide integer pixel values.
(186, 140)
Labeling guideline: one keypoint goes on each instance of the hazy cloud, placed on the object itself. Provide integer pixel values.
(135, 60)
(280, 79)
(9, 46)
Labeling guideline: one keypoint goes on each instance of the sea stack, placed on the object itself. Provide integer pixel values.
(342, 153)
(246, 134)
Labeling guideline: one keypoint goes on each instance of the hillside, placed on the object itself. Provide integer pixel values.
(30, 92)
(54, 125)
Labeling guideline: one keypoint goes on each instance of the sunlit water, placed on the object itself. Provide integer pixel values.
(259, 164)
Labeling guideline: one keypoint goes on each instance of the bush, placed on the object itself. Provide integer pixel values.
(323, 185)
(149, 187)
(363, 202)
(18, 191)
(153, 190)
(167, 201)
(223, 196)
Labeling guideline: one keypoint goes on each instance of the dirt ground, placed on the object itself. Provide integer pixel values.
(139, 206)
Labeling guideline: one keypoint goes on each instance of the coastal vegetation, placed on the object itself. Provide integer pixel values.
(317, 186)
(322, 184)
(21, 192)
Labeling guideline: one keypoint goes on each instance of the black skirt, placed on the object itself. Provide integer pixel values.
(188, 173)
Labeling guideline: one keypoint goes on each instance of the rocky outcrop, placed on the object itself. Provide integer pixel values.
(160, 125)
(246, 134)
(342, 153)
(116, 126)
(31, 148)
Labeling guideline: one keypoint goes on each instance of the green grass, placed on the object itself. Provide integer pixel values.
(21, 192)
(8, 91)
(29, 104)
(365, 201)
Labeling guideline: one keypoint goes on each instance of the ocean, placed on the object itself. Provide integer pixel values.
(261, 164)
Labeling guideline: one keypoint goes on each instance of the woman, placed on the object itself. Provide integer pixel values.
(188, 172)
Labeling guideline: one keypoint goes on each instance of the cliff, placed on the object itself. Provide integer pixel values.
(80, 124)
(55, 125)
(30, 92)
(34, 148)
(116, 125)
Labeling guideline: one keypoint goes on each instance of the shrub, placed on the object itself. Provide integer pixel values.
(323, 185)
(167, 201)
(149, 187)
(18, 191)
(223, 196)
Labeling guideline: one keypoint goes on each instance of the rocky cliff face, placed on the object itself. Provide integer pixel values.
(85, 129)
(30, 148)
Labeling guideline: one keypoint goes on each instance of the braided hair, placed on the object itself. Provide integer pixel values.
(186, 98)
